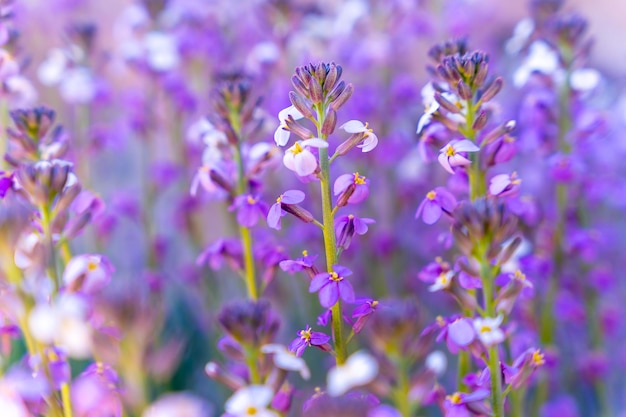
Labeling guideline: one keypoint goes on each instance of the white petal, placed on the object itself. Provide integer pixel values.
(281, 136)
(44, 322)
(584, 79)
(258, 396)
(361, 368)
(437, 362)
(289, 111)
(370, 142)
(315, 143)
(289, 160)
(305, 163)
(353, 126)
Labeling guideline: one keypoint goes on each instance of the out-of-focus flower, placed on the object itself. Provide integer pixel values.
(276, 211)
(181, 404)
(252, 400)
(360, 369)
(286, 360)
(462, 404)
(87, 273)
(249, 209)
(95, 392)
(347, 226)
(503, 185)
(450, 157)
(488, 330)
(437, 202)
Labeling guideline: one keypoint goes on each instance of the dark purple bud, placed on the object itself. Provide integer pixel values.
(481, 120)
(217, 373)
(510, 250)
(299, 86)
(343, 198)
(222, 182)
(331, 78)
(58, 177)
(298, 212)
(249, 322)
(67, 197)
(498, 132)
(343, 97)
(297, 129)
(330, 122)
(76, 225)
(349, 143)
(491, 91)
(315, 89)
(446, 104)
(34, 123)
(336, 92)
(463, 90)
(300, 104)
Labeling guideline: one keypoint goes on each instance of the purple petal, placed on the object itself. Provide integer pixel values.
(461, 332)
(274, 215)
(329, 295)
(319, 338)
(247, 215)
(342, 182)
(458, 160)
(446, 199)
(292, 197)
(431, 212)
(346, 291)
(499, 183)
(360, 225)
(319, 281)
(342, 271)
(443, 160)
(361, 192)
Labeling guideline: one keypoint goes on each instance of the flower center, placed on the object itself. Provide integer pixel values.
(251, 200)
(306, 335)
(519, 275)
(485, 329)
(305, 253)
(374, 303)
(450, 151)
(351, 216)
(296, 149)
(359, 179)
(538, 358)
(251, 411)
(335, 277)
(279, 199)
(92, 266)
(431, 195)
(455, 398)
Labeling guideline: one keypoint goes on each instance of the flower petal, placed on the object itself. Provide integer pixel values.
(353, 126)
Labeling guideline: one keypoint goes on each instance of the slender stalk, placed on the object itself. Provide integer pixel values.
(67, 401)
(330, 245)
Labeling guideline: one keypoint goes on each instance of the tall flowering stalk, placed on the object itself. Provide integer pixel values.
(483, 228)
(49, 288)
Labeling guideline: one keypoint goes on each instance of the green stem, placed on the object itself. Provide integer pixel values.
(67, 401)
(330, 245)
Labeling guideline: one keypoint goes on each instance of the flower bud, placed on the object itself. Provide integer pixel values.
(491, 91)
(481, 120)
(330, 122)
(300, 104)
(315, 90)
(343, 97)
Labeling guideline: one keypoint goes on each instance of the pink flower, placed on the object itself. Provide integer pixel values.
(437, 201)
(370, 140)
(450, 157)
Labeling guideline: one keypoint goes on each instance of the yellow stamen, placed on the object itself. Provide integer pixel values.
(92, 266)
(455, 398)
(296, 149)
(359, 179)
(450, 151)
(431, 196)
(251, 411)
(485, 329)
(519, 275)
(251, 200)
(335, 277)
(538, 358)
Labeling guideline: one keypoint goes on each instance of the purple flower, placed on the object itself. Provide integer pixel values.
(462, 404)
(304, 263)
(307, 338)
(6, 182)
(223, 249)
(276, 212)
(360, 191)
(370, 140)
(362, 314)
(299, 158)
(87, 273)
(332, 286)
(437, 201)
(450, 157)
(347, 226)
(504, 185)
(249, 209)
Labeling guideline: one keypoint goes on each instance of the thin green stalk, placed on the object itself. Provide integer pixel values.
(330, 245)
(67, 401)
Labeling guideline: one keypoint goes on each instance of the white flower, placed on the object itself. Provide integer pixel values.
(488, 330)
(442, 282)
(10, 402)
(64, 324)
(161, 51)
(521, 34)
(51, 71)
(541, 58)
(286, 360)
(89, 273)
(437, 362)
(584, 79)
(78, 86)
(252, 400)
(370, 139)
(299, 159)
(177, 405)
(360, 369)
(281, 135)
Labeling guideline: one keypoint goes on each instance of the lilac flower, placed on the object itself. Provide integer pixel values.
(523, 367)
(252, 400)
(306, 262)
(437, 201)
(307, 338)
(286, 360)
(360, 369)
(450, 157)
(179, 403)
(347, 226)
(249, 209)
(299, 158)
(370, 139)
(362, 313)
(503, 185)
(461, 404)
(488, 330)
(87, 273)
(332, 286)
(457, 332)
(276, 211)
(95, 392)
(223, 249)
(281, 135)
(361, 189)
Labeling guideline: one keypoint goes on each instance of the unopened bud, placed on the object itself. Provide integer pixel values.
(343, 97)
(298, 212)
(301, 89)
(491, 91)
(300, 104)
(331, 78)
(501, 130)
(342, 201)
(446, 104)
(480, 121)
(330, 122)
(464, 90)
(315, 89)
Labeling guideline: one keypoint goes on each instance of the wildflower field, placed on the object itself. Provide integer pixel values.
(319, 208)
